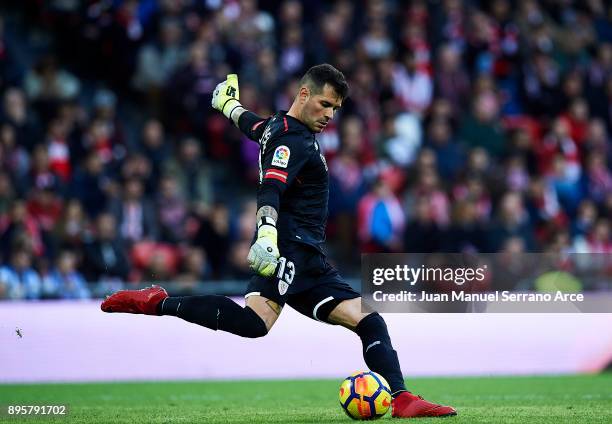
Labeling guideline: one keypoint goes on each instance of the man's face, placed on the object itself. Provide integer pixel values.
(319, 108)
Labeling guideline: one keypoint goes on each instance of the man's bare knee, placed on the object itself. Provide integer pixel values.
(268, 310)
(347, 314)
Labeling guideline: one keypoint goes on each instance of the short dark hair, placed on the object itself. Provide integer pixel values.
(319, 75)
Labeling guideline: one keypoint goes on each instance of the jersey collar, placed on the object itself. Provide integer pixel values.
(297, 121)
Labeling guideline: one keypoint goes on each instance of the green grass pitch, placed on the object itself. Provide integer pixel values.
(560, 399)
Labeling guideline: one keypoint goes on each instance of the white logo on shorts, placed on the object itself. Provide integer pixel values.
(282, 287)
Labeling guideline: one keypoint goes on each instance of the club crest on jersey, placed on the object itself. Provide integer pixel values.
(281, 156)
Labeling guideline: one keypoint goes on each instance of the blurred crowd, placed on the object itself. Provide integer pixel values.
(472, 126)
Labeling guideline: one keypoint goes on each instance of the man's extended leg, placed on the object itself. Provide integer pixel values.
(378, 351)
(380, 357)
(211, 311)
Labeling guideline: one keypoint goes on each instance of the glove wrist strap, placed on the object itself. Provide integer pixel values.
(266, 220)
(235, 113)
(230, 106)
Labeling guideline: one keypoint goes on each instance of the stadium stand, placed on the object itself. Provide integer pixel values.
(472, 126)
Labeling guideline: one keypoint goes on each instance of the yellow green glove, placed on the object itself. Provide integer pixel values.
(264, 254)
(227, 95)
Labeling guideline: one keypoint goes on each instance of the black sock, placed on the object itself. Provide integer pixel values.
(215, 312)
(378, 351)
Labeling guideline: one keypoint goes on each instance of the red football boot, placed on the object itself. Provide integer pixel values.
(407, 405)
(143, 301)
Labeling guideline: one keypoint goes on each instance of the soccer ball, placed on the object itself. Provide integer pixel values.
(365, 395)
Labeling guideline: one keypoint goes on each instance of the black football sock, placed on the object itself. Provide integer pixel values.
(215, 312)
(378, 352)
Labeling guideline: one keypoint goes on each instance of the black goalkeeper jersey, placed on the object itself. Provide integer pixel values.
(290, 159)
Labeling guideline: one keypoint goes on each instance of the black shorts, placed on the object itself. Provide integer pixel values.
(305, 281)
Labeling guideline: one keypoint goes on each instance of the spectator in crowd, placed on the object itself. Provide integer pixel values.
(411, 85)
(58, 149)
(172, 211)
(7, 196)
(105, 113)
(450, 156)
(192, 172)
(104, 134)
(540, 84)
(512, 221)
(159, 266)
(105, 257)
(473, 189)
(188, 91)
(14, 157)
(138, 166)
(47, 84)
(45, 207)
(245, 224)
(158, 60)
(598, 177)
(597, 139)
(452, 81)
(65, 281)
(381, 220)
(193, 270)
(542, 203)
(246, 27)
(401, 138)
(427, 185)
(482, 127)
(293, 56)
(70, 230)
(465, 233)
(20, 231)
(134, 213)
(516, 174)
(376, 42)
(213, 234)
(597, 240)
(566, 184)
(16, 113)
(558, 144)
(238, 265)
(18, 280)
(10, 66)
(154, 147)
(422, 234)
(585, 219)
(41, 175)
(90, 185)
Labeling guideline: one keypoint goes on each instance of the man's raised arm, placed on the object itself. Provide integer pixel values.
(226, 99)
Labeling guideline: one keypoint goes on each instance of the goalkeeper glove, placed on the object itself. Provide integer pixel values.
(263, 256)
(226, 95)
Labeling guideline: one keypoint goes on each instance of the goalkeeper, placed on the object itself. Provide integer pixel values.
(287, 251)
